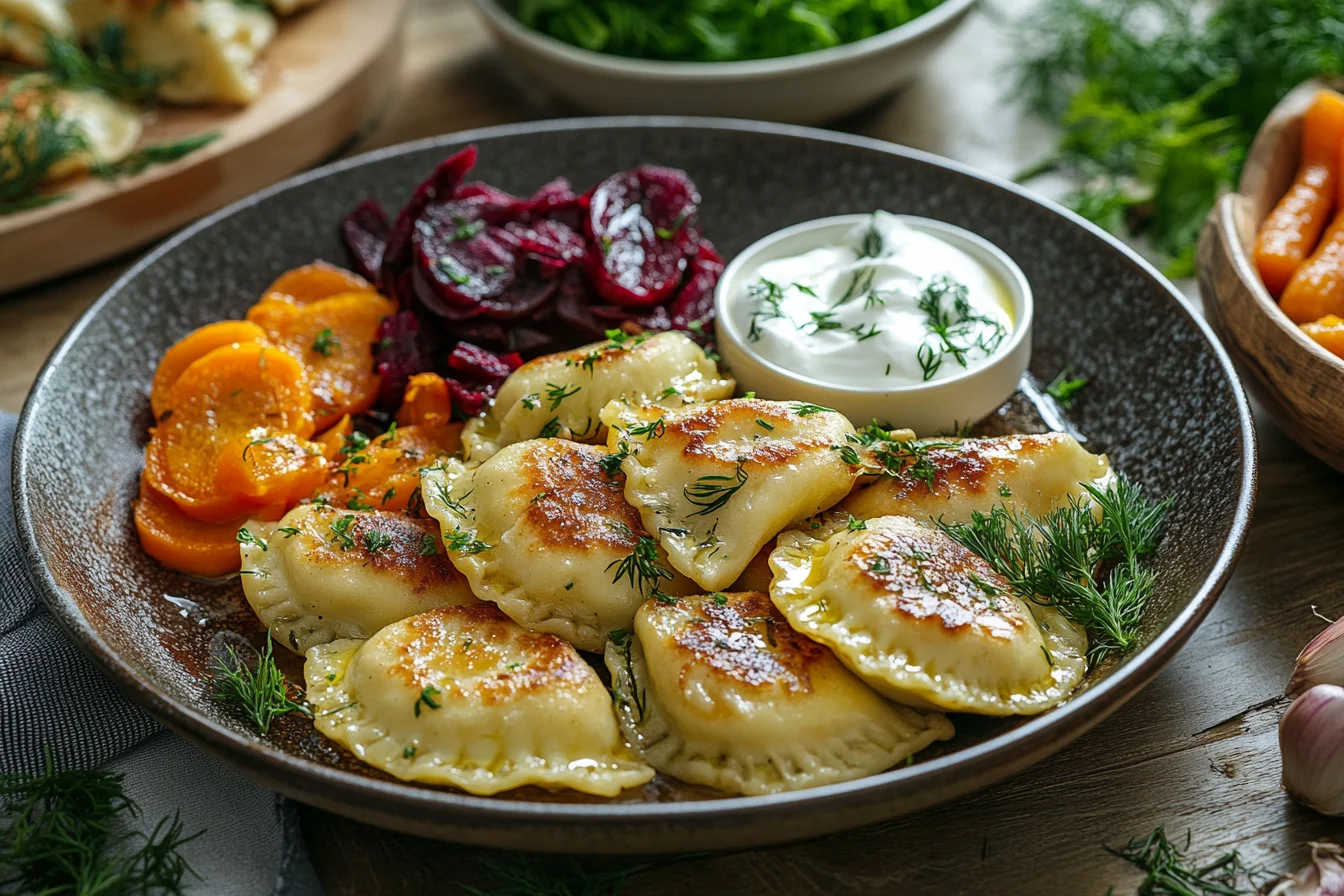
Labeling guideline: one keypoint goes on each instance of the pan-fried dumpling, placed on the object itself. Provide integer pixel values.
(1029, 473)
(564, 394)
(321, 573)
(719, 691)
(541, 530)
(464, 696)
(717, 481)
(206, 48)
(25, 24)
(926, 621)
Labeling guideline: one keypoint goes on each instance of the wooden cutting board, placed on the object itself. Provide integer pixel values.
(325, 74)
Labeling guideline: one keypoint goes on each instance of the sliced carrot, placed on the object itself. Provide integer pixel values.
(1329, 332)
(270, 466)
(1292, 229)
(197, 344)
(334, 339)
(217, 399)
(1317, 289)
(384, 472)
(332, 440)
(426, 400)
(182, 543)
(315, 281)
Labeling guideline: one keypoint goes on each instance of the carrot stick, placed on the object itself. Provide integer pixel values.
(1292, 229)
(1317, 287)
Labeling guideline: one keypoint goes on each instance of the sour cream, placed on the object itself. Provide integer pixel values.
(886, 305)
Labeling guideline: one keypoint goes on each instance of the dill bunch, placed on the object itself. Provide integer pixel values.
(1158, 102)
(1168, 872)
(59, 835)
(715, 30)
(105, 65)
(1088, 568)
(260, 691)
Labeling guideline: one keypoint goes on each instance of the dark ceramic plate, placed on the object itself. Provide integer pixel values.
(1163, 402)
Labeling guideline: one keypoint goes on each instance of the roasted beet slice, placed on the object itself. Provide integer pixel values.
(694, 302)
(523, 298)
(555, 198)
(547, 239)
(401, 350)
(469, 400)
(365, 231)
(656, 319)
(459, 263)
(478, 365)
(394, 277)
(641, 228)
(491, 195)
(574, 307)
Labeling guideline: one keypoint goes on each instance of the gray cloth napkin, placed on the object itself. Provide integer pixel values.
(51, 695)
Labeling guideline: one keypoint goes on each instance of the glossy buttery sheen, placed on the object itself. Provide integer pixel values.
(313, 584)
(466, 697)
(925, 621)
(544, 532)
(718, 690)
(849, 313)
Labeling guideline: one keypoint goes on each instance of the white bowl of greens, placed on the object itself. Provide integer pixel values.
(800, 68)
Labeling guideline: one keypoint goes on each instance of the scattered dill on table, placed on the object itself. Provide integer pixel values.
(63, 831)
(1168, 871)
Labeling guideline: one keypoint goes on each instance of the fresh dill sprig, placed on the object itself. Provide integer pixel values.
(1065, 387)
(1088, 569)
(624, 642)
(711, 493)
(640, 566)
(651, 430)
(557, 394)
(766, 295)
(611, 464)
(956, 332)
(63, 832)
(159, 154)
(260, 691)
(1169, 873)
(878, 452)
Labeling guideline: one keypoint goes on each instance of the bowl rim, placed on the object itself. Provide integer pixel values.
(946, 14)
(1017, 284)
(337, 788)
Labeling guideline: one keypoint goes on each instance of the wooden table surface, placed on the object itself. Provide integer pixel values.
(1196, 750)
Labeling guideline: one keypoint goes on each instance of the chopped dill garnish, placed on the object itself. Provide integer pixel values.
(557, 394)
(531, 401)
(429, 546)
(551, 429)
(650, 430)
(105, 66)
(854, 524)
(326, 344)
(711, 493)
(611, 464)
(376, 542)
(260, 691)
(624, 641)
(429, 698)
(952, 332)
(640, 567)
(1088, 569)
(340, 532)
(807, 409)
(1065, 387)
(767, 295)
(245, 536)
(462, 542)
(897, 458)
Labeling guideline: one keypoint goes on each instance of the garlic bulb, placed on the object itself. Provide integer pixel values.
(1321, 661)
(1311, 741)
(1323, 877)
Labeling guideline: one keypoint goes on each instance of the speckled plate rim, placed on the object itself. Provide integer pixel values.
(415, 808)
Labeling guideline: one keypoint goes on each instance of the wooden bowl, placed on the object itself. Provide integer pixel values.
(1298, 381)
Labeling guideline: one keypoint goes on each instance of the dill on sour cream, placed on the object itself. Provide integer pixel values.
(885, 305)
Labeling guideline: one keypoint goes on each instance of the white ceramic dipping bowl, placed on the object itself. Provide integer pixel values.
(809, 88)
(928, 408)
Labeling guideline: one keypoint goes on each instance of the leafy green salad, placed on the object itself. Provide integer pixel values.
(714, 30)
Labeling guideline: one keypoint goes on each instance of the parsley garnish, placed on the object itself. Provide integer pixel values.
(326, 343)
(340, 532)
(376, 542)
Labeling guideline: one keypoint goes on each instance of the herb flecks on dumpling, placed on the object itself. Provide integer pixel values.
(321, 573)
(717, 481)
(466, 697)
(541, 530)
(949, 479)
(924, 620)
(562, 395)
(718, 690)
